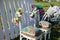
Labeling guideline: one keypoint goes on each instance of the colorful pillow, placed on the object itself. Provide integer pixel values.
(32, 30)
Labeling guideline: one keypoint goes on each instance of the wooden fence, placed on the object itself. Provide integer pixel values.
(8, 30)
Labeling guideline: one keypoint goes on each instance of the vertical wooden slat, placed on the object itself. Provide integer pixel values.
(10, 8)
(17, 3)
(5, 37)
(2, 24)
(14, 5)
(1, 28)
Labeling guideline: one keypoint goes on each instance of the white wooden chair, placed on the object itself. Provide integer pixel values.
(21, 34)
(30, 36)
(46, 30)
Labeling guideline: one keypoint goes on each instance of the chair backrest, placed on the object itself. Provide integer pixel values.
(26, 7)
(8, 30)
(50, 12)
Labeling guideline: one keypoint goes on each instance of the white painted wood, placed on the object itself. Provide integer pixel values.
(1, 33)
(46, 32)
(49, 34)
(40, 37)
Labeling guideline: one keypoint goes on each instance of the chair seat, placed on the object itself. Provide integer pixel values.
(45, 24)
(31, 32)
(28, 35)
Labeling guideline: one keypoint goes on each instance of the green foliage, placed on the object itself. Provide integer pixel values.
(47, 4)
(38, 0)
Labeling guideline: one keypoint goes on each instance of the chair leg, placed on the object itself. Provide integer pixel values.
(21, 38)
(49, 34)
(45, 35)
(41, 38)
(33, 39)
(27, 38)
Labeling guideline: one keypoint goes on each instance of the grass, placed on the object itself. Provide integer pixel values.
(46, 4)
(55, 34)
